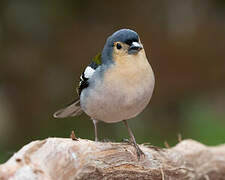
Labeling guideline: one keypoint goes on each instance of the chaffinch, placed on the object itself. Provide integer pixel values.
(117, 85)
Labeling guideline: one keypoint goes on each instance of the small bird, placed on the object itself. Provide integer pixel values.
(116, 86)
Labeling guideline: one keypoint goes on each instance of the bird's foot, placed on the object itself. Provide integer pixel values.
(139, 152)
(127, 141)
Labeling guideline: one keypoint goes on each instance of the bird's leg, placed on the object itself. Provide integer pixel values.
(95, 122)
(133, 141)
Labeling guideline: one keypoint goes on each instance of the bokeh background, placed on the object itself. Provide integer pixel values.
(45, 45)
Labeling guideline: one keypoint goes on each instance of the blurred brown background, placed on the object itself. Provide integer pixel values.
(44, 46)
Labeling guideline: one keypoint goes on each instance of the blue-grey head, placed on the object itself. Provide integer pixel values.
(123, 42)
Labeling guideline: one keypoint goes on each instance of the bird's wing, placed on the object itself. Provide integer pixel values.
(88, 72)
(74, 109)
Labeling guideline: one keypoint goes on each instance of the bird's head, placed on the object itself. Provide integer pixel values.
(124, 42)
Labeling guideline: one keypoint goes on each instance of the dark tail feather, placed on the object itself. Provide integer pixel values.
(71, 110)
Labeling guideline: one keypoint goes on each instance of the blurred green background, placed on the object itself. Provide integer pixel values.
(45, 45)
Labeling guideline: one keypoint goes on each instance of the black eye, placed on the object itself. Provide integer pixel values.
(118, 46)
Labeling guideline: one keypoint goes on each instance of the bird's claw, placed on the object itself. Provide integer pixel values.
(139, 152)
(127, 141)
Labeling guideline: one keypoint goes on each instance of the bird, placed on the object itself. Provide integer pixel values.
(116, 86)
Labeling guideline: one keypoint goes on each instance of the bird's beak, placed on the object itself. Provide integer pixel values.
(135, 48)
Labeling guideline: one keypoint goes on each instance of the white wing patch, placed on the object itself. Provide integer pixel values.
(88, 72)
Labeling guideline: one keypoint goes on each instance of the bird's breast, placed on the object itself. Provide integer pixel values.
(124, 91)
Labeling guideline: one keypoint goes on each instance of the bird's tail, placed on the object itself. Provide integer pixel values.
(73, 109)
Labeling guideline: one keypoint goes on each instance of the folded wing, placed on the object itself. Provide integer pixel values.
(74, 108)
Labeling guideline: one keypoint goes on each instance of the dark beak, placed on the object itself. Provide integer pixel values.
(135, 48)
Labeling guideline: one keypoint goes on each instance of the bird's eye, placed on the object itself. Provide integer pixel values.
(118, 46)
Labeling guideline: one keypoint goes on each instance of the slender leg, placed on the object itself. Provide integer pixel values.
(95, 122)
(133, 141)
